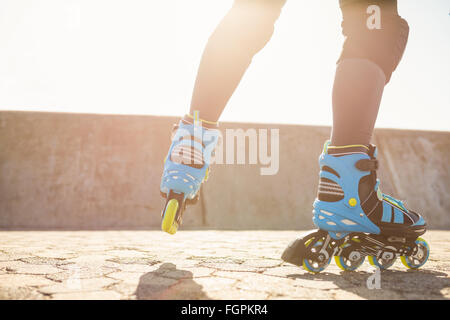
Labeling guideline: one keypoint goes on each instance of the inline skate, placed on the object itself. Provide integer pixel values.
(355, 219)
(186, 167)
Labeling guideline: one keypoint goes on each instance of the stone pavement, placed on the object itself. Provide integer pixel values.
(195, 265)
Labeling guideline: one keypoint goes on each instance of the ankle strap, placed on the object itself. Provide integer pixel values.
(334, 150)
(188, 118)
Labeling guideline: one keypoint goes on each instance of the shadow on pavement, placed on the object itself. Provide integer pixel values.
(167, 283)
(393, 284)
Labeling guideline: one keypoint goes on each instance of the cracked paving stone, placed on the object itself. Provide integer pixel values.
(55, 254)
(255, 282)
(89, 259)
(134, 268)
(44, 261)
(195, 265)
(126, 277)
(20, 293)
(19, 267)
(149, 261)
(229, 264)
(77, 285)
(127, 290)
(81, 271)
(231, 267)
(23, 280)
(216, 283)
(131, 254)
(11, 256)
(262, 263)
(283, 270)
(200, 272)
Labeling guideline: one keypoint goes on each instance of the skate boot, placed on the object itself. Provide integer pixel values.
(186, 167)
(355, 219)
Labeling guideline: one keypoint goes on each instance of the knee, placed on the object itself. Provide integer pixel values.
(250, 23)
(373, 30)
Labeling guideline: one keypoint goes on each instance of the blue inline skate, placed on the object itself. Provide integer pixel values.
(186, 167)
(355, 219)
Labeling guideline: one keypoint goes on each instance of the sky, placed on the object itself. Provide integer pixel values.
(141, 57)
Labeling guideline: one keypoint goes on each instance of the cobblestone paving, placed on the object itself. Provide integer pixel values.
(195, 265)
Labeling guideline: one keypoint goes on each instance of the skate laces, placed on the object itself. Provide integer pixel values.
(187, 152)
(192, 143)
(394, 201)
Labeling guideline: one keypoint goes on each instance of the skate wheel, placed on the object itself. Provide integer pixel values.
(168, 223)
(314, 266)
(354, 260)
(381, 263)
(419, 259)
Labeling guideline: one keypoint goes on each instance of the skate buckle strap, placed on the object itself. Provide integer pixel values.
(397, 203)
(196, 119)
(367, 165)
(203, 122)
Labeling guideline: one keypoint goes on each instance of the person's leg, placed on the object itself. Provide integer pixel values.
(376, 37)
(244, 31)
(349, 200)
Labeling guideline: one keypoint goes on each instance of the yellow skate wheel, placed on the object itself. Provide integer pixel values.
(350, 263)
(421, 256)
(352, 260)
(315, 266)
(382, 263)
(168, 223)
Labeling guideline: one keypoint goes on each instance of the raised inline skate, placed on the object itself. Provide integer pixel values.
(355, 219)
(186, 167)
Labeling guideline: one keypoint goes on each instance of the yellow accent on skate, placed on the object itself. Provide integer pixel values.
(393, 203)
(404, 262)
(168, 223)
(202, 120)
(372, 261)
(338, 263)
(352, 202)
(348, 146)
(307, 243)
(308, 269)
(206, 175)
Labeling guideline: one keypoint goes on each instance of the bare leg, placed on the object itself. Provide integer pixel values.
(243, 32)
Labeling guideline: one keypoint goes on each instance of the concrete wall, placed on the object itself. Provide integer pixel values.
(77, 171)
